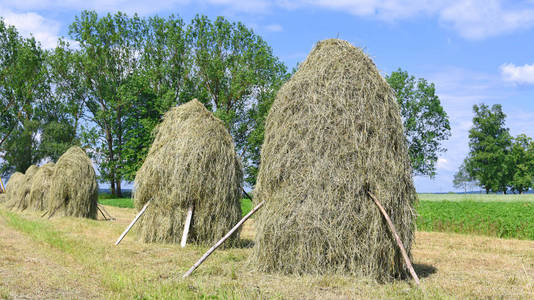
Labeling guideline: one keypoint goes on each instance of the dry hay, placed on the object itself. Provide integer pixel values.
(19, 195)
(15, 183)
(191, 162)
(40, 187)
(73, 187)
(334, 133)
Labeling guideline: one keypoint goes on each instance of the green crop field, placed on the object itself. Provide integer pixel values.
(500, 219)
(477, 197)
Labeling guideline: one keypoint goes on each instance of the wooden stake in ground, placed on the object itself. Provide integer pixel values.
(98, 207)
(397, 238)
(208, 253)
(187, 224)
(105, 211)
(132, 224)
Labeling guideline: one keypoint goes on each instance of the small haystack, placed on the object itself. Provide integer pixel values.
(16, 183)
(40, 187)
(20, 195)
(333, 134)
(73, 188)
(191, 162)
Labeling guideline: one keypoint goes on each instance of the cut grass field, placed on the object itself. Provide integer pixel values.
(70, 258)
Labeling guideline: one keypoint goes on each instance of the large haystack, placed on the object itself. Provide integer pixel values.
(191, 162)
(73, 188)
(38, 197)
(334, 133)
(20, 194)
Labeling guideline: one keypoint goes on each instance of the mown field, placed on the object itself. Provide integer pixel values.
(71, 258)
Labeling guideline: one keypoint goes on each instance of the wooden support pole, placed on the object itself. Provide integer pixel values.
(397, 238)
(2, 187)
(105, 211)
(208, 253)
(186, 226)
(247, 194)
(98, 207)
(132, 224)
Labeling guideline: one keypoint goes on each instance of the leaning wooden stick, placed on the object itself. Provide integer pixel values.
(247, 194)
(208, 253)
(397, 238)
(107, 213)
(98, 207)
(186, 227)
(132, 224)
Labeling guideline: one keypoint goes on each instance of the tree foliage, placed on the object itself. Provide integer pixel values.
(463, 180)
(521, 163)
(30, 117)
(426, 123)
(489, 143)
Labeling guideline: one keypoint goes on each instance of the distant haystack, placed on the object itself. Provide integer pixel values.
(191, 162)
(15, 184)
(20, 194)
(73, 188)
(38, 197)
(333, 134)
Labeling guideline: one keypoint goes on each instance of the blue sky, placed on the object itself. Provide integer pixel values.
(474, 51)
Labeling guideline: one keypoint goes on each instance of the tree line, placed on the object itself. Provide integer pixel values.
(497, 162)
(108, 85)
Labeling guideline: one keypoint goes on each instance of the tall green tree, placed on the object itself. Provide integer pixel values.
(163, 80)
(489, 143)
(521, 163)
(426, 124)
(240, 75)
(109, 52)
(24, 91)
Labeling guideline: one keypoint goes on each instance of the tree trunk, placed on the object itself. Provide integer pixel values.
(112, 176)
(112, 185)
(119, 189)
(487, 190)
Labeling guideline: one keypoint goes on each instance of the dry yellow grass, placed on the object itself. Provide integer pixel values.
(75, 258)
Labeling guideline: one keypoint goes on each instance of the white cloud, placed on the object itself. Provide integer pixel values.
(518, 74)
(44, 30)
(471, 19)
(274, 28)
(478, 19)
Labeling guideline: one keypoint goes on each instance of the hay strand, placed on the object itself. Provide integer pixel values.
(191, 162)
(333, 133)
(74, 189)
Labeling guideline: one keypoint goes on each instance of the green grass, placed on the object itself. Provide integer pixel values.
(497, 218)
(119, 202)
(246, 204)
